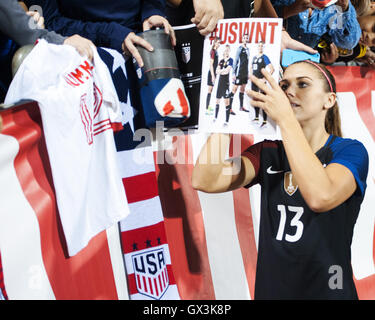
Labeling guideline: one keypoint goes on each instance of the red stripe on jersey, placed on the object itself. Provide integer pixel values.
(86, 119)
(101, 131)
(98, 100)
(143, 238)
(103, 122)
(102, 126)
(141, 187)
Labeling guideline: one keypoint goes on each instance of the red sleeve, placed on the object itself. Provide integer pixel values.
(253, 153)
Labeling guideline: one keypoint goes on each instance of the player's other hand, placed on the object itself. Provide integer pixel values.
(82, 45)
(207, 13)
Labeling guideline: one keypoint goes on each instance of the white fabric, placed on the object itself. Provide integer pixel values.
(78, 105)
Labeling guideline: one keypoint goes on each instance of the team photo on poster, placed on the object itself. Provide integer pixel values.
(237, 49)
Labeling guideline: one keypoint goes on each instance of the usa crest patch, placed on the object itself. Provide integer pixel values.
(290, 186)
(151, 274)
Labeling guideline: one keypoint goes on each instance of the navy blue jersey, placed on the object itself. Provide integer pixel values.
(300, 250)
(224, 85)
(258, 64)
(241, 61)
(213, 56)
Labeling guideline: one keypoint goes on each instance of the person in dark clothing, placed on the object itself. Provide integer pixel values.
(211, 77)
(223, 88)
(111, 25)
(241, 72)
(259, 62)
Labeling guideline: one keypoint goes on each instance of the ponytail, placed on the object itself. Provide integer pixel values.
(332, 121)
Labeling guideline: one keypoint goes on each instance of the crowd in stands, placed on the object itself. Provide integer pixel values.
(343, 32)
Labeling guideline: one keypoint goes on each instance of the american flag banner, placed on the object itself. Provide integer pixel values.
(144, 242)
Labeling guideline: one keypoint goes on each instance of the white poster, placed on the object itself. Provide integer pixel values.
(237, 49)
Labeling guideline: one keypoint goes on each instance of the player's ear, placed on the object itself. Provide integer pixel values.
(330, 100)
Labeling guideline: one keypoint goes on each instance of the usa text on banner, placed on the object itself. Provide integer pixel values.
(144, 243)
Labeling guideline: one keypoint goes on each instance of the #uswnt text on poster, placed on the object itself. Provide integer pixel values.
(237, 49)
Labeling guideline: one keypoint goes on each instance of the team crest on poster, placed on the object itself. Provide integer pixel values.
(151, 274)
(290, 186)
(186, 52)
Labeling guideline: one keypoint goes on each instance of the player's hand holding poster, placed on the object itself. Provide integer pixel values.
(237, 49)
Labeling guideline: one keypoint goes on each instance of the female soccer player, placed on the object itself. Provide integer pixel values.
(223, 88)
(313, 183)
(259, 62)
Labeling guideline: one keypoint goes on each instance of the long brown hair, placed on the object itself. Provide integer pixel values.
(332, 121)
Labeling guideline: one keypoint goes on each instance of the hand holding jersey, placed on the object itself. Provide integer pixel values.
(82, 45)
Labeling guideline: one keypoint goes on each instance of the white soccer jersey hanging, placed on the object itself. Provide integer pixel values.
(79, 108)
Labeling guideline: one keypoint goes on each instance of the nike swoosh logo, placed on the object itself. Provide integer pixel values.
(270, 171)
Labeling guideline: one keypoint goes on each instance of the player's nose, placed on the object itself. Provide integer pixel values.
(290, 91)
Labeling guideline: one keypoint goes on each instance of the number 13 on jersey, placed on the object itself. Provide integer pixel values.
(295, 222)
